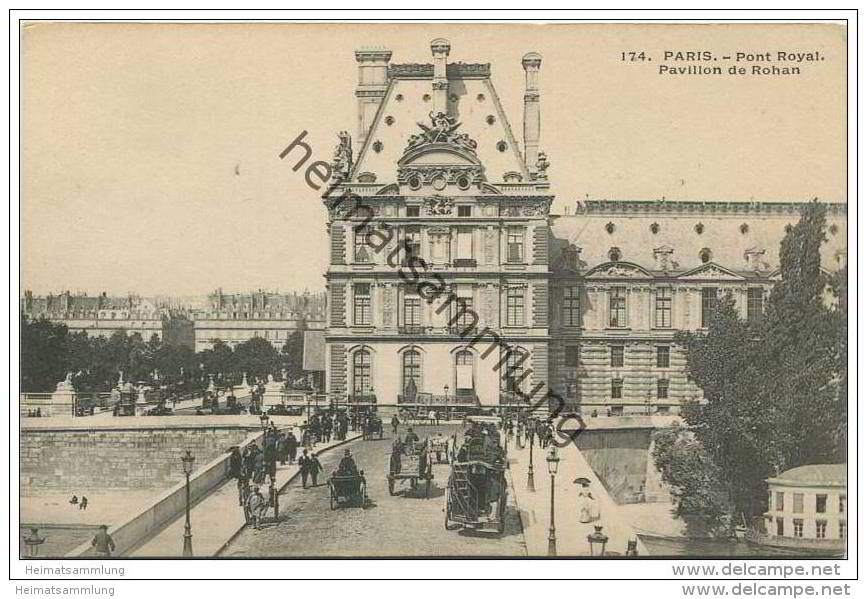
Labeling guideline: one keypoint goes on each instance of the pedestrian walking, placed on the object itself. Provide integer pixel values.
(74, 500)
(304, 464)
(315, 469)
(291, 446)
(270, 458)
(256, 507)
(236, 463)
(83, 504)
(282, 449)
(259, 468)
(395, 422)
(102, 542)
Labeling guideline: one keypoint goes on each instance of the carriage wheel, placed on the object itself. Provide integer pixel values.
(501, 515)
(390, 486)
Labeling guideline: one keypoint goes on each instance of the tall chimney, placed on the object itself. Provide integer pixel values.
(532, 121)
(440, 49)
(372, 83)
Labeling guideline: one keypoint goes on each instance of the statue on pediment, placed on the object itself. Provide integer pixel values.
(341, 165)
(542, 165)
(442, 130)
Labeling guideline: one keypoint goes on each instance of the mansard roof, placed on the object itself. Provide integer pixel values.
(473, 102)
(743, 239)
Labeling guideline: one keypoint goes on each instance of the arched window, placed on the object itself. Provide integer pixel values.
(361, 372)
(411, 371)
(513, 378)
(464, 371)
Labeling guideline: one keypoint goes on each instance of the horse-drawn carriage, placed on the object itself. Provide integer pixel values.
(409, 462)
(347, 490)
(438, 448)
(477, 491)
(371, 428)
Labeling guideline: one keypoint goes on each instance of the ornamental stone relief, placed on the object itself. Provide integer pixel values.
(438, 206)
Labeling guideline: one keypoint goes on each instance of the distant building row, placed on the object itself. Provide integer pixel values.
(231, 318)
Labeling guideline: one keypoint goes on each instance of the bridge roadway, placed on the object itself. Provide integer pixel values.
(406, 524)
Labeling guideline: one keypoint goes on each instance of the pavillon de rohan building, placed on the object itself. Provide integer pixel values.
(587, 303)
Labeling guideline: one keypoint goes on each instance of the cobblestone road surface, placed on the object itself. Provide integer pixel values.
(402, 525)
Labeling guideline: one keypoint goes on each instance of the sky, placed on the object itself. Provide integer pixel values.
(149, 152)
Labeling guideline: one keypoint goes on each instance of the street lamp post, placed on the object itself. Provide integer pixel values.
(446, 402)
(187, 460)
(598, 538)
(33, 542)
(531, 482)
(553, 462)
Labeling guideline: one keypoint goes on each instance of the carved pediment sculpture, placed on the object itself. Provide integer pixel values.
(438, 205)
(442, 130)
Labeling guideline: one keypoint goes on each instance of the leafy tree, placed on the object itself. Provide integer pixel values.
(292, 354)
(43, 351)
(257, 357)
(774, 390)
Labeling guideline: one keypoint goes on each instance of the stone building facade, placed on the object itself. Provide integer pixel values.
(234, 318)
(103, 315)
(583, 305)
(458, 197)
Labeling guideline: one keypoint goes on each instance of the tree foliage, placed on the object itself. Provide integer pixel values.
(775, 389)
(49, 351)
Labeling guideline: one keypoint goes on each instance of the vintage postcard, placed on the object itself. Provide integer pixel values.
(433, 290)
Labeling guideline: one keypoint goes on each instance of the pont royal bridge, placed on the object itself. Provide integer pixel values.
(132, 473)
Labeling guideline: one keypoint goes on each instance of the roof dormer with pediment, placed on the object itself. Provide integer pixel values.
(438, 128)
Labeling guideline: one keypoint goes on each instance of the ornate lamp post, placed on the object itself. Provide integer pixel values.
(33, 541)
(187, 460)
(446, 401)
(531, 483)
(553, 462)
(597, 538)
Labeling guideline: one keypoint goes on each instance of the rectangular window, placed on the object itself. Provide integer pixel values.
(411, 311)
(616, 411)
(361, 294)
(821, 504)
(821, 529)
(616, 388)
(465, 211)
(412, 211)
(464, 243)
(662, 389)
(571, 306)
(841, 530)
(413, 243)
(663, 356)
(617, 356)
(708, 301)
(572, 354)
(463, 312)
(798, 526)
(755, 303)
(617, 307)
(363, 251)
(780, 529)
(781, 504)
(798, 503)
(841, 504)
(515, 307)
(515, 244)
(663, 308)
